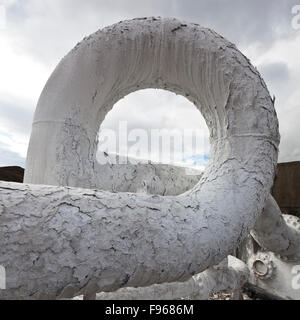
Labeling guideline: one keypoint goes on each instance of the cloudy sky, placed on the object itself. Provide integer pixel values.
(36, 34)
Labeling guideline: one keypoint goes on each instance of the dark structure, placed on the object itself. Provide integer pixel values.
(13, 174)
(286, 189)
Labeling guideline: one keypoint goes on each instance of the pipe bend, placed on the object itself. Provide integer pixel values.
(134, 239)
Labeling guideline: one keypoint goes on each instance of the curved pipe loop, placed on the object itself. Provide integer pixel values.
(93, 241)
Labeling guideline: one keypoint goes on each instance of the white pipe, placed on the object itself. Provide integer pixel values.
(53, 237)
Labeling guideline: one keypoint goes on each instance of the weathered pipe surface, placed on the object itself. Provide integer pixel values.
(273, 232)
(230, 276)
(56, 237)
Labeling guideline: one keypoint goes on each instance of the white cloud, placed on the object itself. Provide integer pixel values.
(14, 143)
(21, 77)
(280, 67)
(152, 109)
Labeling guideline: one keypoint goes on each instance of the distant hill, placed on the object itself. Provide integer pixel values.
(13, 174)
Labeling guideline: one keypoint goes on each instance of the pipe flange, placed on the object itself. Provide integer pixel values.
(262, 265)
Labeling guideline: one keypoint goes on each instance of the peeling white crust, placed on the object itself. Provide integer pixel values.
(56, 237)
(229, 276)
(147, 177)
(158, 53)
(276, 232)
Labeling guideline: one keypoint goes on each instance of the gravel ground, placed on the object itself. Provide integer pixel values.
(229, 296)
